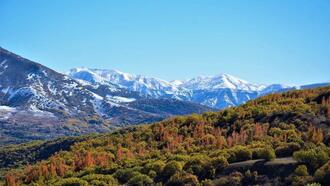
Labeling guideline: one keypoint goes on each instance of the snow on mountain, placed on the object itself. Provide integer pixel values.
(214, 91)
(147, 86)
(52, 104)
(221, 81)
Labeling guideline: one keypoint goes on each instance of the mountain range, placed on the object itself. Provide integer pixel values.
(218, 92)
(37, 102)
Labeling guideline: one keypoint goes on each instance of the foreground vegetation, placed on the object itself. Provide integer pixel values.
(198, 149)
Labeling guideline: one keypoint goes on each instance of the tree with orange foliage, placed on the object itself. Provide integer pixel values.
(44, 170)
(229, 141)
(199, 130)
(220, 141)
(260, 131)
(89, 160)
(208, 139)
(52, 169)
(102, 159)
(11, 179)
(61, 168)
(120, 153)
(326, 103)
(78, 162)
(315, 135)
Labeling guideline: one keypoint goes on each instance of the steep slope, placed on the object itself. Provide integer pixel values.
(211, 149)
(38, 103)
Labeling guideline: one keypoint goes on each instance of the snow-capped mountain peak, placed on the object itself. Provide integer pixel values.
(149, 86)
(222, 81)
(218, 91)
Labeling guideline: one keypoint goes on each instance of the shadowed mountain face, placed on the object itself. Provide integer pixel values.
(38, 103)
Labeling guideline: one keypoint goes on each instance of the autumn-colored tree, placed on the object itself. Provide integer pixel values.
(52, 168)
(11, 180)
(44, 170)
(326, 103)
(220, 141)
(120, 153)
(315, 135)
(208, 139)
(78, 162)
(217, 132)
(30, 175)
(102, 159)
(199, 130)
(260, 131)
(61, 170)
(230, 141)
(89, 160)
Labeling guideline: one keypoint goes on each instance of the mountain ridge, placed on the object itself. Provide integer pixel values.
(218, 91)
(31, 93)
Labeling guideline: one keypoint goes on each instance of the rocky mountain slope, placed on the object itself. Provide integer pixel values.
(38, 103)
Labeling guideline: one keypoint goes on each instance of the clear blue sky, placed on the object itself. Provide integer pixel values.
(286, 41)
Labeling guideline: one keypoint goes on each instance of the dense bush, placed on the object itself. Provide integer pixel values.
(107, 179)
(139, 180)
(219, 163)
(123, 175)
(239, 153)
(180, 179)
(301, 170)
(287, 150)
(313, 158)
(170, 169)
(72, 182)
(266, 153)
(200, 166)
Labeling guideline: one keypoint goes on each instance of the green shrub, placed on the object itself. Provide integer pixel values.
(219, 163)
(239, 153)
(170, 169)
(71, 182)
(156, 166)
(266, 153)
(287, 149)
(108, 179)
(301, 170)
(98, 183)
(123, 175)
(313, 158)
(182, 179)
(200, 166)
(140, 180)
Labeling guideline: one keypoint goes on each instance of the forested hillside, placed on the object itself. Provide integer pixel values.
(209, 149)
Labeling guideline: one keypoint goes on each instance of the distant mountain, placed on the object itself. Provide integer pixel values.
(146, 86)
(218, 91)
(39, 103)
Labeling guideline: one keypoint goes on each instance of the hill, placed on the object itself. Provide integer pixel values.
(204, 149)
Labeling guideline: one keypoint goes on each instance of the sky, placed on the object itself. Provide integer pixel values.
(277, 41)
